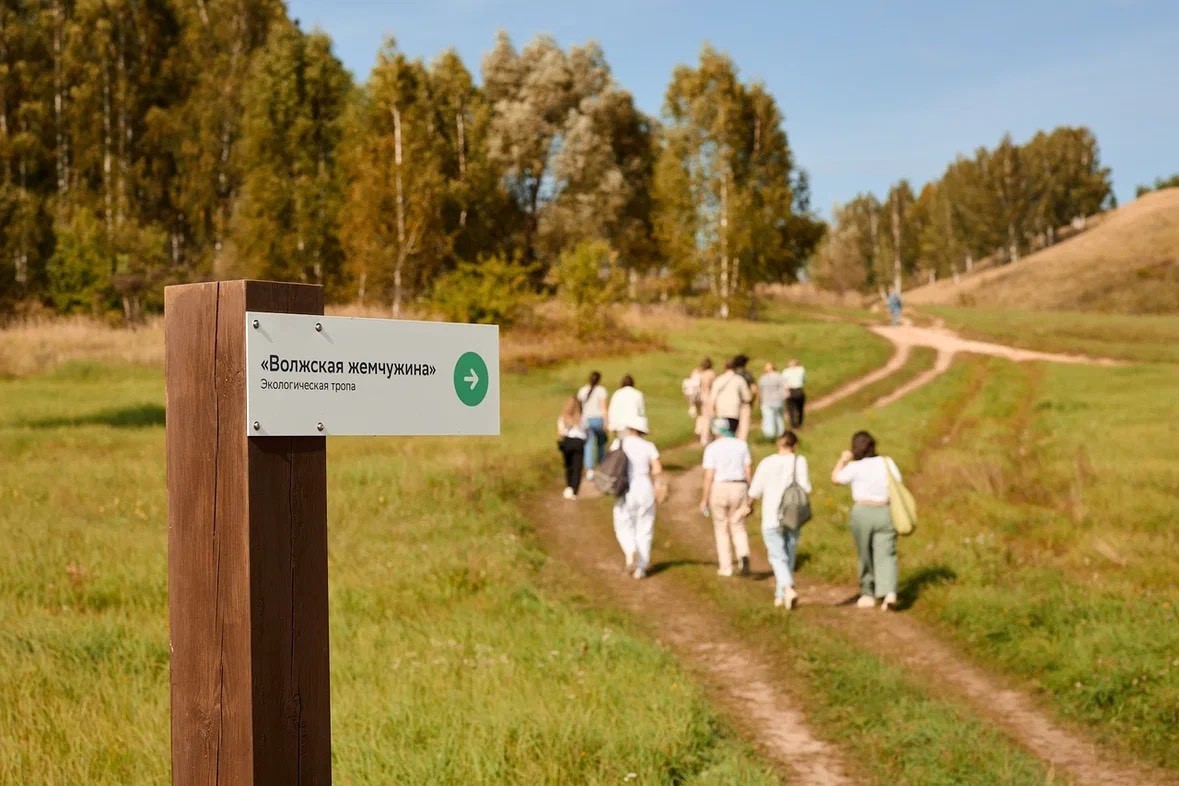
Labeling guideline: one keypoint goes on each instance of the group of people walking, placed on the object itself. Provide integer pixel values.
(731, 395)
(732, 487)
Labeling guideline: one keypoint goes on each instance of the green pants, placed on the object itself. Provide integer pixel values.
(876, 543)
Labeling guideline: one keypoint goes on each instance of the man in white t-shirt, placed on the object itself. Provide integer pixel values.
(626, 405)
(728, 467)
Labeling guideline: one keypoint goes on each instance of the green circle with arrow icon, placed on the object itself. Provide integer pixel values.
(471, 379)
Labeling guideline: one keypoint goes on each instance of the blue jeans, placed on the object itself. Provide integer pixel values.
(772, 421)
(781, 548)
(595, 443)
(896, 315)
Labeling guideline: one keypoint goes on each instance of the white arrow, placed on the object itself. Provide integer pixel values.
(473, 378)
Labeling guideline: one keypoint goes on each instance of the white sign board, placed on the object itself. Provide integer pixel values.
(313, 376)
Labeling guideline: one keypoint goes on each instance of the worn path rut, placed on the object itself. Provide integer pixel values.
(749, 686)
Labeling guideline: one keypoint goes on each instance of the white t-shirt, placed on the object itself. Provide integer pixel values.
(571, 430)
(593, 403)
(639, 455)
(773, 475)
(625, 405)
(728, 457)
(867, 479)
(795, 377)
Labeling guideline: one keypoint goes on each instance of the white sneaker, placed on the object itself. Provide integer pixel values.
(589, 474)
(568, 493)
(640, 573)
(630, 564)
(866, 602)
(790, 598)
(889, 603)
(723, 572)
(779, 602)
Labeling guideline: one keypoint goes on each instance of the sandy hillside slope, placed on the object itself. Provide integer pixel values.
(1128, 264)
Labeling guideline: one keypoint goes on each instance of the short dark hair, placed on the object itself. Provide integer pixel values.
(863, 445)
(740, 361)
(788, 439)
(594, 378)
(628, 381)
(706, 363)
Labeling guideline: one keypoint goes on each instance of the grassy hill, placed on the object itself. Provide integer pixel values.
(1129, 264)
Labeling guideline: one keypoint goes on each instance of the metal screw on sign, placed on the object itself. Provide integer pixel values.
(318, 327)
(257, 425)
(257, 324)
(319, 427)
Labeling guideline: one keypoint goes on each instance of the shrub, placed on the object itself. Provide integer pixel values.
(495, 291)
(588, 277)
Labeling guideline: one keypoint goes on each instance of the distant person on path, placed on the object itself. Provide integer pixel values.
(705, 376)
(728, 467)
(773, 475)
(626, 405)
(895, 305)
(772, 389)
(572, 433)
(871, 521)
(731, 395)
(634, 513)
(794, 377)
(745, 420)
(593, 408)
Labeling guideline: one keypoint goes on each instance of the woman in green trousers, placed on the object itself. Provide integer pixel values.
(871, 522)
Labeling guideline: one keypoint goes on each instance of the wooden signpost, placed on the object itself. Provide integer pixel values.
(247, 556)
(247, 505)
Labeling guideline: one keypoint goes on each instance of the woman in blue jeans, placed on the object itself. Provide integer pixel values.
(593, 398)
(773, 475)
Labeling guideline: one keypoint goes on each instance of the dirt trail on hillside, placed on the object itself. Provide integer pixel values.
(750, 687)
(947, 343)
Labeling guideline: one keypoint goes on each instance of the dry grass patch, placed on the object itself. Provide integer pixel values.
(1129, 264)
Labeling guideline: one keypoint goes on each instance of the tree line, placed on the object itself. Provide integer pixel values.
(148, 142)
(1000, 203)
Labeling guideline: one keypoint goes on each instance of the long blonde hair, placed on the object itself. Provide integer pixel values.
(571, 412)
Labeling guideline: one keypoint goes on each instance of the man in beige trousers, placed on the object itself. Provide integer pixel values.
(728, 467)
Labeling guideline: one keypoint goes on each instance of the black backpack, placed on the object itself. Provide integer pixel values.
(612, 476)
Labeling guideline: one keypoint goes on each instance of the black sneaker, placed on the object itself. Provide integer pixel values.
(745, 566)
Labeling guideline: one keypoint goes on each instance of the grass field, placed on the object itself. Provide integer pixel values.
(450, 662)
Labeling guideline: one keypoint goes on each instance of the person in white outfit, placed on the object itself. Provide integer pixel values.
(771, 479)
(634, 513)
(626, 405)
(727, 468)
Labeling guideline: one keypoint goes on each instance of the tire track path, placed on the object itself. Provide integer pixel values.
(750, 687)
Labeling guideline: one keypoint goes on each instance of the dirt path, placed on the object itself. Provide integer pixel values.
(744, 684)
(750, 687)
(948, 344)
(900, 357)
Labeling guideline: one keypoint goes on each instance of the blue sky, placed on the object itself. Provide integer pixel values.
(872, 91)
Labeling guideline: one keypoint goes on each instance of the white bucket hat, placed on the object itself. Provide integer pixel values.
(639, 424)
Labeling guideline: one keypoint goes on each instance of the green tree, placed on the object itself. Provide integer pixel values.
(724, 183)
(394, 228)
(285, 221)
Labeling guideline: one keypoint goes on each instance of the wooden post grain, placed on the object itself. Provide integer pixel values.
(247, 556)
